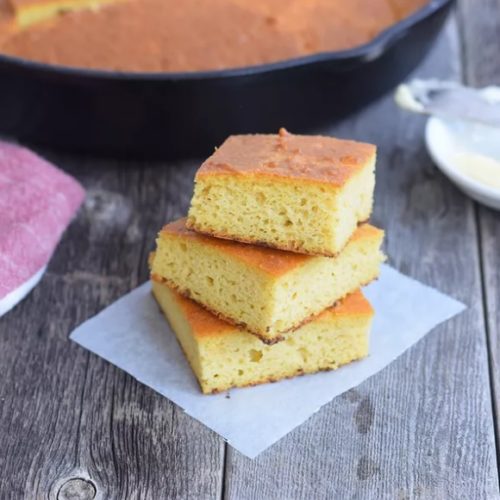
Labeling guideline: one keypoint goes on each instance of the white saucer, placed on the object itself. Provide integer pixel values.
(447, 140)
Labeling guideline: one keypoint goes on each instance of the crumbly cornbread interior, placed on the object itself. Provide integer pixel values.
(265, 290)
(306, 217)
(223, 356)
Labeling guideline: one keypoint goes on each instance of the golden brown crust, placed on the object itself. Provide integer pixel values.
(184, 292)
(321, 159)
(188, 295)
(269, 260)
(206, 324)
(293, 246)
(202, 322)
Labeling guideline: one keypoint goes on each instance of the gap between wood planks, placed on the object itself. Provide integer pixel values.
(479, 20)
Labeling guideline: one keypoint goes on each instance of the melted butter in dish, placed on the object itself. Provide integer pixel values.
(469, 155)
(479, 167)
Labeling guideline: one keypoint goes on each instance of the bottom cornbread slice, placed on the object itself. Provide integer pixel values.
(223, 356)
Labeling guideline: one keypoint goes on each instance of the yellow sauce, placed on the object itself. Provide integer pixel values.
(481, 168)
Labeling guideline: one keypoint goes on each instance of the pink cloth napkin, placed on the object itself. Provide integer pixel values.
(37, 202)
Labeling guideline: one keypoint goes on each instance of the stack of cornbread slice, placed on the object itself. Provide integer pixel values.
(262, 280)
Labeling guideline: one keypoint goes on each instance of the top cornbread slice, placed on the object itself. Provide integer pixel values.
(300, 193)
(265, 290)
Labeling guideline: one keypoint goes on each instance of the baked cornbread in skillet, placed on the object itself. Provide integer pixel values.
(29, 12)
(304, 194)
(7, 21)
(223, 356)
(264, 290)
(157, 35)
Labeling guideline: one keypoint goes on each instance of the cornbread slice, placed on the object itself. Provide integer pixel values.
(28, 12)
(267, 291)
(223, 356)
(300, 193)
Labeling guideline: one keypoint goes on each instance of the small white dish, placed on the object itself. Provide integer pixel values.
(469, 155)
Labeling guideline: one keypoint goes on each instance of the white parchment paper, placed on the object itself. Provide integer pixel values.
(133, 335)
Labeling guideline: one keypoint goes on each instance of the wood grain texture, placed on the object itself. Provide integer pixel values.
(422, 428)
(490, 248)
(72, 425)
(480, 29)
(481, 45)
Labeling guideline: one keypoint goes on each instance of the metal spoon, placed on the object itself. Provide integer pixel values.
(451, 100)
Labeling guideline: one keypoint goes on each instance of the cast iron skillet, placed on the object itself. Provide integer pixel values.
(175, 115)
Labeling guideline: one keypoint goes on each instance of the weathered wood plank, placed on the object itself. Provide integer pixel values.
(481, 35)
(423, 427)
(490, 248)
(71, 422)
(480, 29)
(40, 393)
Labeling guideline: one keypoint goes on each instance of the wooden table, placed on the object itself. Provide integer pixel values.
(74, 427)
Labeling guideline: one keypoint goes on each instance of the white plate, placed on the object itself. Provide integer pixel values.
(447, 140)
